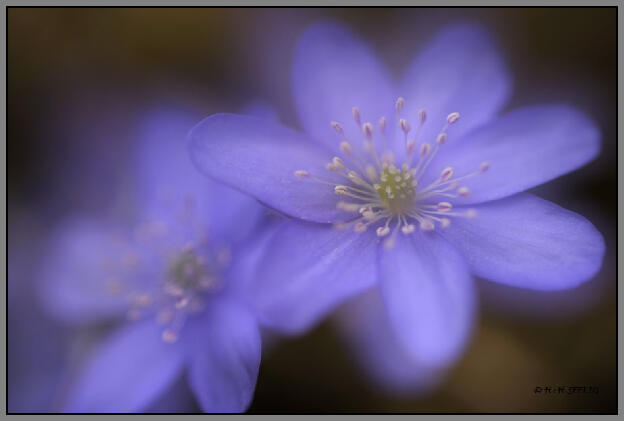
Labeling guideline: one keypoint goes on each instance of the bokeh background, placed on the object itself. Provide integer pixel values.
(79, 80)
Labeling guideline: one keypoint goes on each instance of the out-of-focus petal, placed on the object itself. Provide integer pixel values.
(170, 185)
(226, 357)
(460, 70)
(429, 297)
(260, 158)
(528, 242)
(260, 109)
(307, 270)
(525, 147)
(334, 71)
(178, 398)
(127, 372)
(364, 324)
(78, 271)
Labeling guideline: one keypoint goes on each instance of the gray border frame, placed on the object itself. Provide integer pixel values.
(310, 3)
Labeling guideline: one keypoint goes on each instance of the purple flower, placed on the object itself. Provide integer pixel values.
(415, 194)
(172, 273)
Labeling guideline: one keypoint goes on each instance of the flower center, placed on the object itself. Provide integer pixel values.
(396, 188)
(388, 196)
(188, 272)
(179, 288)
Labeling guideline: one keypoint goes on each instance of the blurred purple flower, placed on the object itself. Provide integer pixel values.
(405, 182)
(173, 273)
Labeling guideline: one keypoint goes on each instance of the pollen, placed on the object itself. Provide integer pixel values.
(395, 189)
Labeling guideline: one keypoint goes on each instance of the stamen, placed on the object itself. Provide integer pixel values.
(337, 127)
(463, 191)
(367, 130)
(447, 174)
(170, 336)
(383, 122)
(400, 103)
(302, 174)
(422, 116)
(408, 229)
(452, 118)
(356, 115)
(383, 231)
(426, 225)
(405, 127)
(345, 148)
(379, 190)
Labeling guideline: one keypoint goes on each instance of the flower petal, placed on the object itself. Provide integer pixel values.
(333, 72)
(528, 242)
(259, 157)
(127, 372)
(170, 184)
(364, 323)
(225, 362)
(261, 109)
(429, 295)
(525, 147)
(73, 281)
(460, 70)
(308, 270)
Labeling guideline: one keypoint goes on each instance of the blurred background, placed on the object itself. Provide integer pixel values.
(79, 80)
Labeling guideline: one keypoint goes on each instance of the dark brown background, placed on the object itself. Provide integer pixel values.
(79, 78)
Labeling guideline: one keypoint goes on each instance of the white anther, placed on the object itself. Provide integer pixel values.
(441, 139)
(400, 103)
(463, 191)
(170, 336)
(356, 115)
(338, 163)
(337, 127)
(445, 222)
(355, 177)
(425, 149)
(411, 145)
(369, 215)
(422, 115)
(452, 118)
(408, 229)
(341, 190)
(181, 303)
(383, 122)
(302, 174)
(371, 173)
(345, 147)
(367, 129)
(360, 227)
(330, 167)
(444, 206)
(405, 127)
(485, 165)
(471, 213)
(383, 231)
(426, 225)
(447, 173)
